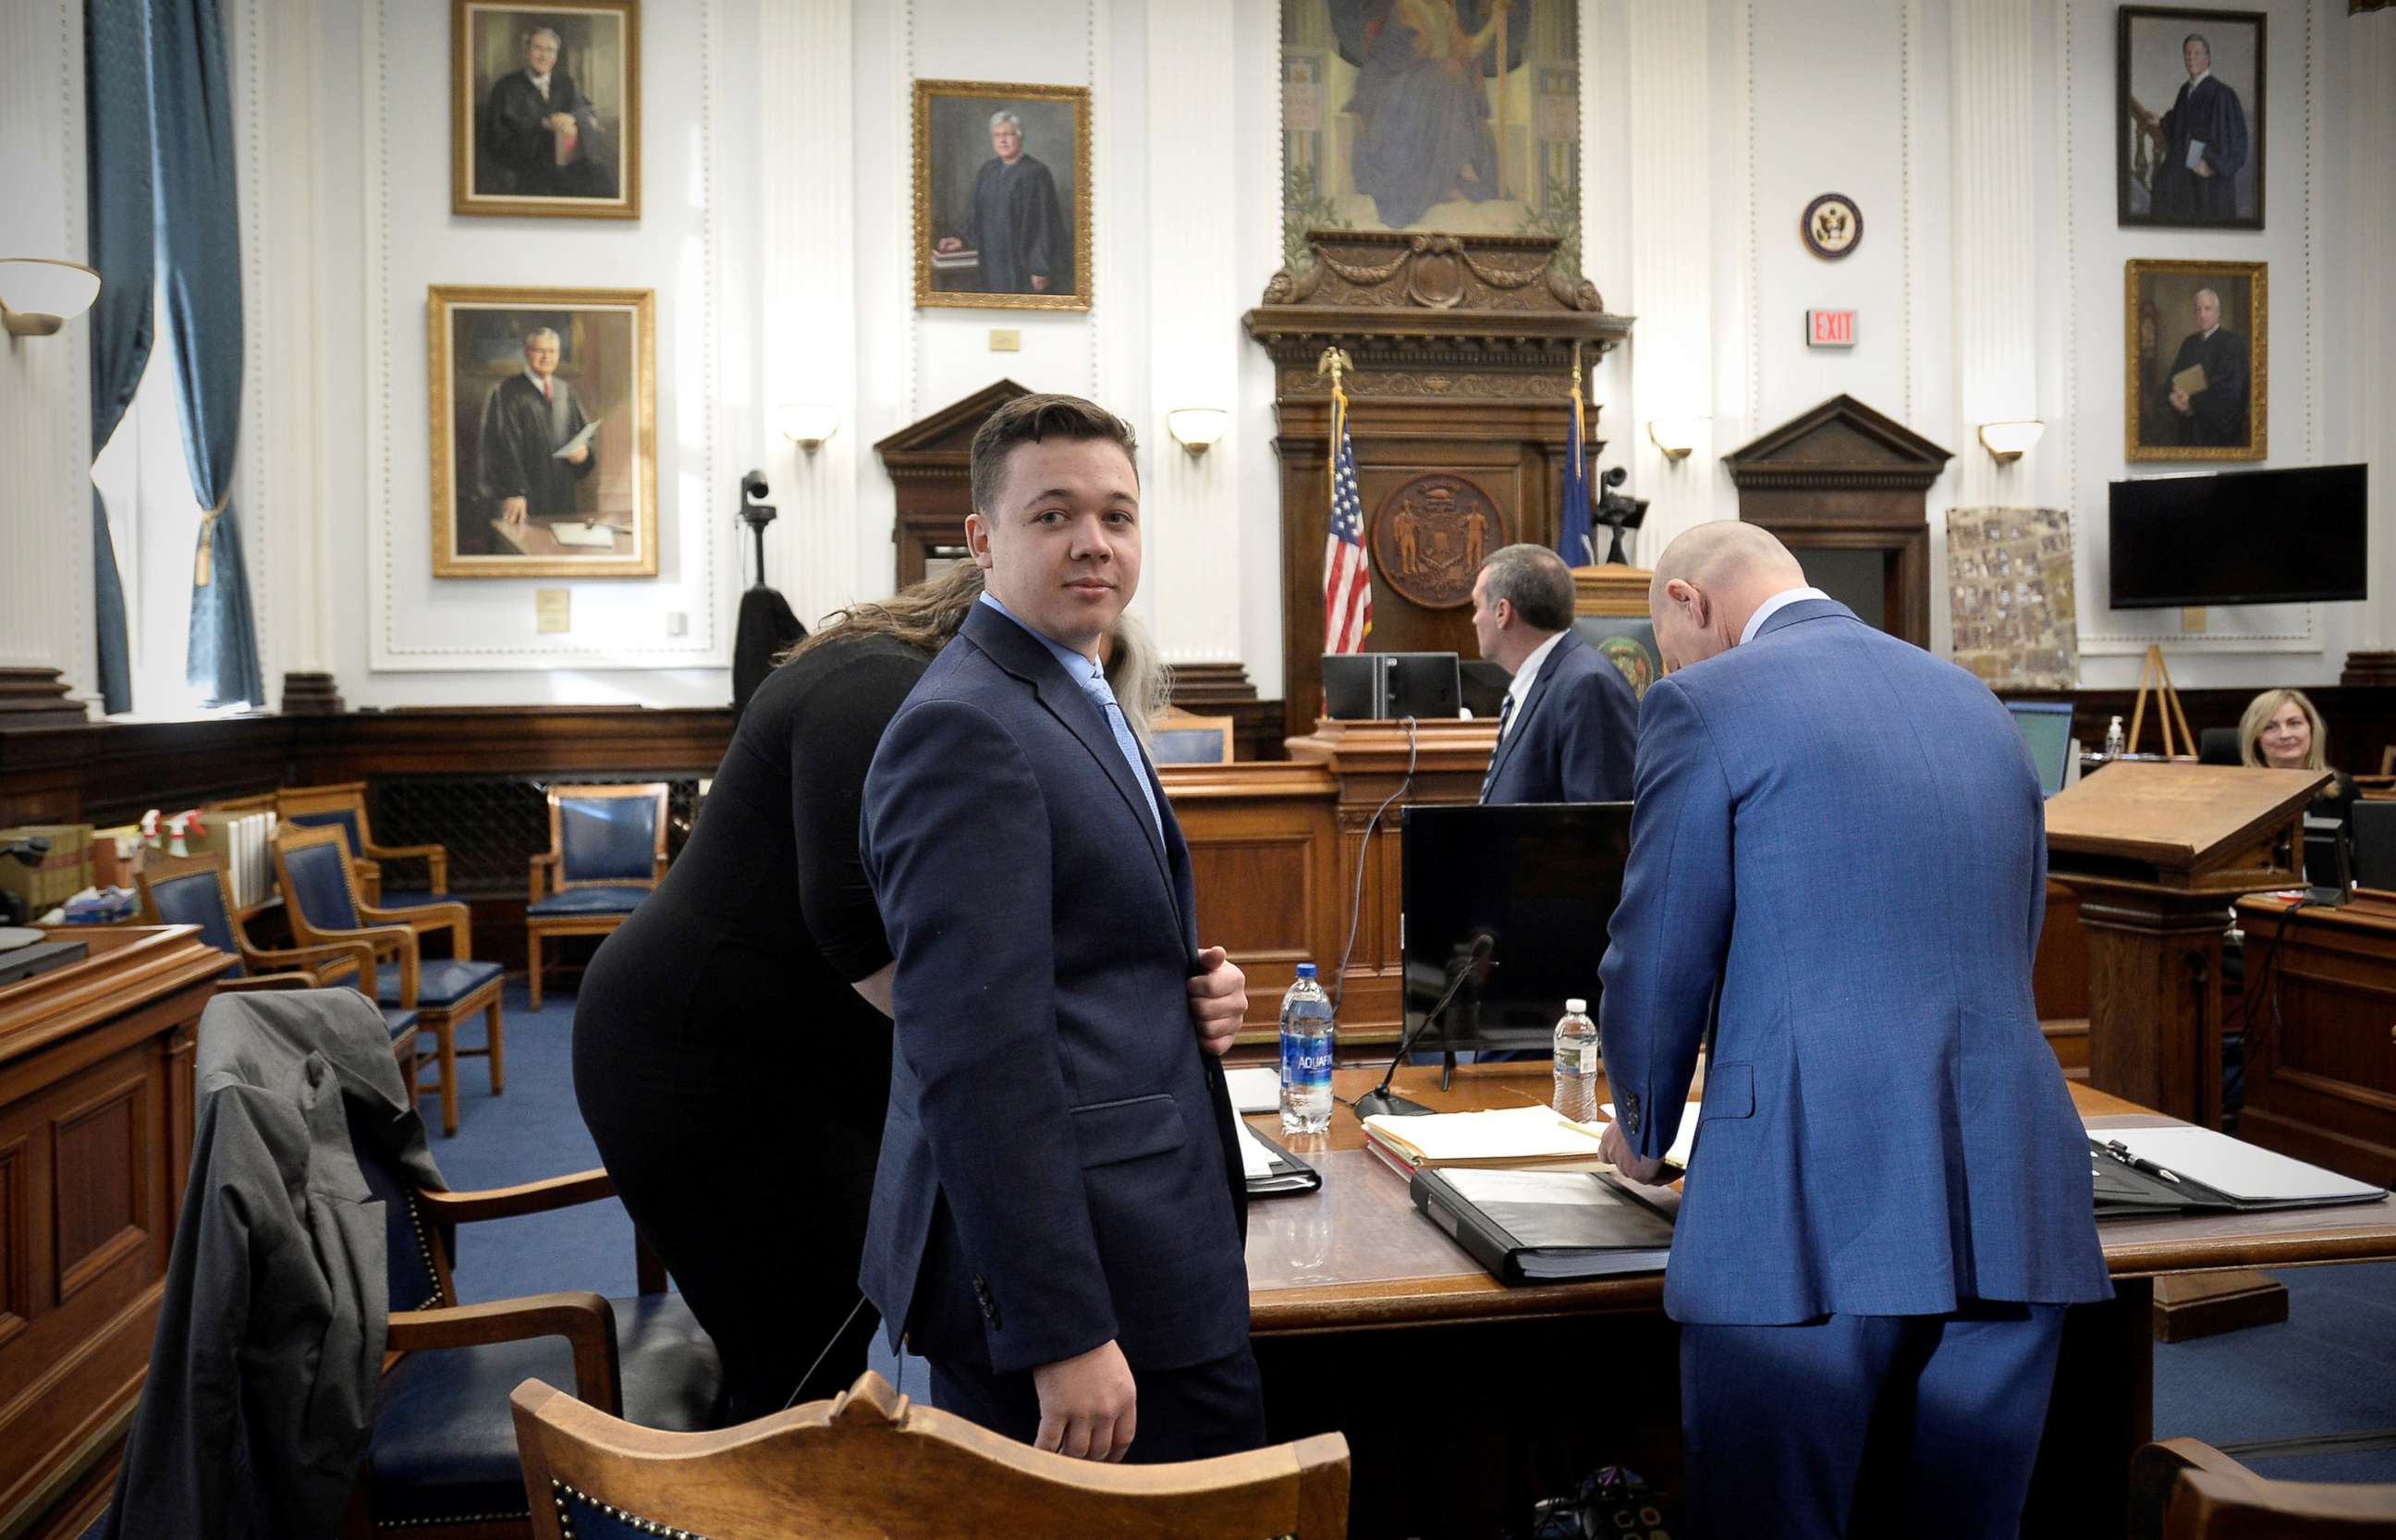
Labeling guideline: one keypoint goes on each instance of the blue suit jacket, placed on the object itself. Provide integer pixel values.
(1576, 734)
(1056, 1165)
(1848, 835)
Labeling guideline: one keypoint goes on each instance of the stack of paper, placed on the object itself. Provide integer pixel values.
(1511, 1137)
(1254, 1089)
(1684, 1141)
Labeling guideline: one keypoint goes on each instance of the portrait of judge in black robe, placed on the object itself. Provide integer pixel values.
(544, 101)
(2211, 415)
(527, 419)
(1016, 220)
(2203, 141)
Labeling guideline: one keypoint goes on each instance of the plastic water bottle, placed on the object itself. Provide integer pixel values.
(1576, 1063)
(1307, 1048)
(2115, 743)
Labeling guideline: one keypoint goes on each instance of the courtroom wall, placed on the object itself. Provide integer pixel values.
(776, 231)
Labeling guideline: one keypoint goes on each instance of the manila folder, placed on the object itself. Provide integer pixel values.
(2190, 380)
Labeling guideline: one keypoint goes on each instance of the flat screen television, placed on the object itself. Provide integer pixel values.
(2239, 537)
(1541, 879)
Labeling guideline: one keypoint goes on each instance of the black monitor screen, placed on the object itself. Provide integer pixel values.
(1390, 685)
(1541, 881)
(2240, 538)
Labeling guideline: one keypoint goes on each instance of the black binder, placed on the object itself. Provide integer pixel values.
(2127, 1186)
(1288, 1176)
(1546, 1226)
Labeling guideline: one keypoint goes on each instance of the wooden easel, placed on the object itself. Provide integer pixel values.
(2156, 675)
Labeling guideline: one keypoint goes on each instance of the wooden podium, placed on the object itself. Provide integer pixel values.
(2157, 852)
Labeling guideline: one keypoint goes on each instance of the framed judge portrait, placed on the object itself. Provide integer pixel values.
(2189, 118)
(544, 108)
(2197, 337)
(544, 433)
(1002, 195)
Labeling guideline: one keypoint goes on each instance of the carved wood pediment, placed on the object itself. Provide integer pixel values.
(940, 444)
(1465, 317)
(1841, 443)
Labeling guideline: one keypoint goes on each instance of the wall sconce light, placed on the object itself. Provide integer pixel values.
(39, 295)
(2007, 441)
(807, 423)
(1675, 436)
(1196, 428)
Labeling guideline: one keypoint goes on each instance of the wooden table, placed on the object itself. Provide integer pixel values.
(1461, 1397)
(535, 537)
(2320, 1040)
(95, 1145)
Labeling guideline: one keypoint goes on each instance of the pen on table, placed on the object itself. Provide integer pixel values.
(2123, 1153)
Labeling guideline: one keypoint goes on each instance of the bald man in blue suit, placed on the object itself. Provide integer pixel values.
(1888, 1206)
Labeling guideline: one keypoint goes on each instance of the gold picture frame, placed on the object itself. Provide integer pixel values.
(957, 151)
(499, 436)
(2164, 344)
(506, 159)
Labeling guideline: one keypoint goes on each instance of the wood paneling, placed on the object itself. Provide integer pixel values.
(2320, 1042)
(95, 1136)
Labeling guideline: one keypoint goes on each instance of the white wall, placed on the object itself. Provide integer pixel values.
(776, 228)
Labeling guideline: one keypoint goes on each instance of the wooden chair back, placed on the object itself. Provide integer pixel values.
(871, 1463)
(1181, 738)
(342, 804)
(2183, 1489)
(195, 890)
(593, 831)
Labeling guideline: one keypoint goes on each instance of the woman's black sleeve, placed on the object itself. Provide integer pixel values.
(832, 736)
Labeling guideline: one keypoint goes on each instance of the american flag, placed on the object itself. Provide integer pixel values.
(1346, 575)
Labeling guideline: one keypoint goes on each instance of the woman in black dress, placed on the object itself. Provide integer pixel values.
(732, 1038)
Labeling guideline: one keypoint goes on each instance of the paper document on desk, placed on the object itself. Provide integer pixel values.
(1683, 1142)
(2246, 1172)
(1254, 1089)
(1512, 1136)
(594, 535)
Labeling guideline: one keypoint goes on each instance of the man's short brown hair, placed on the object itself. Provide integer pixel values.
(1536, 581)
(1028, 420)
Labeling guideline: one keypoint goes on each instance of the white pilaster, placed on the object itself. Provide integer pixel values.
(809, 266)
(45, 391)
(1193, 508)
(1671, 357)
(1996, 294)
(2368, 129)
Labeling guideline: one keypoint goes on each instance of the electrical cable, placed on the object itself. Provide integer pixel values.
(827, 1353)
(1357, 902)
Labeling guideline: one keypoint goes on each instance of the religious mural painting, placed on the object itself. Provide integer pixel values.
(1430, 535)
(2197, 339)
(1002, 195)
(544, 433)
(2189, 118)
(2013, 600)
(544, 110)
(1459, 116)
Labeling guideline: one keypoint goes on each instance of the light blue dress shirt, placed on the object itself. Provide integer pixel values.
(1091, 678)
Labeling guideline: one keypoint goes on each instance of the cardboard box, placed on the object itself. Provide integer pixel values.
(110, 869)
(64, 872)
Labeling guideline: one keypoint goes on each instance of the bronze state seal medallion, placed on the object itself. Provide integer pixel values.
(1430, 535)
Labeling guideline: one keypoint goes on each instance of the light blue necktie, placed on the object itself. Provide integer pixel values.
(1104, 699)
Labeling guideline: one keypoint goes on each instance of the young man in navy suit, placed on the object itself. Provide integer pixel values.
(1058, 1212)
(1888, 1206)
(1569, 724)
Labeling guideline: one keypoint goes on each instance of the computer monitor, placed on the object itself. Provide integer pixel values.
(2375, 844)
(1384, 687)
(1541, 879)
(2328, 876)
(2046, 727)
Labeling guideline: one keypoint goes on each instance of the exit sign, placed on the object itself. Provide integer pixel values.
(1825, 329)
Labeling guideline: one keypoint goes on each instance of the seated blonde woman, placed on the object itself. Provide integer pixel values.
(2282, 730)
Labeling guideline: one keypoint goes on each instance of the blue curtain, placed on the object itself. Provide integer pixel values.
(116, 97)
(199, 247)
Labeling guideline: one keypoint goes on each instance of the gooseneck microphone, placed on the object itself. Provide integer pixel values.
(1379, 1101)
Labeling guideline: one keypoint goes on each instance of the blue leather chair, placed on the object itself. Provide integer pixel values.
(320, 892)
(870, 1461)
(606, 852)
(442, 1462)
(343, 806)
(198, 890)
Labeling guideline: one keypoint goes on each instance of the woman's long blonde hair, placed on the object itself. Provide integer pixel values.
(929, 613)
(2258, 714)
